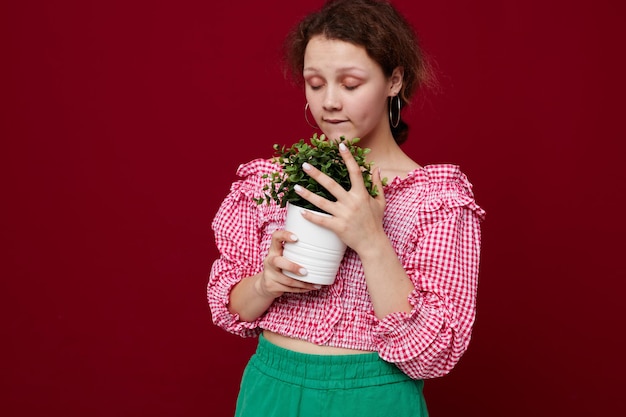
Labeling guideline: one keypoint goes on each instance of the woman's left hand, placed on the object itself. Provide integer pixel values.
(357, 217)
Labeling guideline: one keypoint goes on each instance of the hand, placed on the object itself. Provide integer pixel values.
(272, 283)
(357, 217)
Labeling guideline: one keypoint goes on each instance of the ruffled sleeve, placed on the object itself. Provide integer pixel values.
(237, 230)
(443, 266)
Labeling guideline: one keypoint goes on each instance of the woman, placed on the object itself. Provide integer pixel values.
(402, 307)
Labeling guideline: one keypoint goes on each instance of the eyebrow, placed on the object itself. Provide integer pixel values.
(340, 70)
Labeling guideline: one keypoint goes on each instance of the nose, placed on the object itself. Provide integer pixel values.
(332, 100)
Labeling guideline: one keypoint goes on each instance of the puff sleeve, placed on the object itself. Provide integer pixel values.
(237, 231)
(443, 266)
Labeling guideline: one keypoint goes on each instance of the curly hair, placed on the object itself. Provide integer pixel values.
(377, 26)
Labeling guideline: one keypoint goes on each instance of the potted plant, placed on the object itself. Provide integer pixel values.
(318, 249)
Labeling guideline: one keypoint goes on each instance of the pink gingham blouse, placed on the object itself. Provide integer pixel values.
(434, 225)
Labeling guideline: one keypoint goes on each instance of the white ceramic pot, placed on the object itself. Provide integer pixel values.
(318, 249)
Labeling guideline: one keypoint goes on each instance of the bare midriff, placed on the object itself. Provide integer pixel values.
(302, 346)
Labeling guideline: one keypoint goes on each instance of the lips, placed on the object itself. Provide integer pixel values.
(334, 121)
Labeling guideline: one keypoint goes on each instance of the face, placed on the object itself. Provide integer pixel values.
(347, 91)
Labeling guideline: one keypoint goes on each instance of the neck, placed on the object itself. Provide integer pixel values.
(383, 152)
(387, 155)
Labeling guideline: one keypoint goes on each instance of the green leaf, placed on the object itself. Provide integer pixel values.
(321, 153)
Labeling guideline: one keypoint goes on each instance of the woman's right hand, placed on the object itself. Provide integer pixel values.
(272, 282)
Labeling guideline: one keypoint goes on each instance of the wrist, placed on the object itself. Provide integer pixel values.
(261, 291)
(374, 247)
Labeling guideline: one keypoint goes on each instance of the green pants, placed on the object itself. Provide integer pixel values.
(281, 383)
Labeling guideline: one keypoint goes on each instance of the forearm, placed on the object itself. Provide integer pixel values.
(388, 283)
(247, 301)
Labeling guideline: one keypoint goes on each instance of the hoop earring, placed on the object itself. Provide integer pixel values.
(306, 107)
(397, 122)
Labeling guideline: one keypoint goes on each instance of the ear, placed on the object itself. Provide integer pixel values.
(395, 80)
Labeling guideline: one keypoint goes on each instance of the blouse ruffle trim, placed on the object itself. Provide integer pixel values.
(227, 320)
(446, 186)
(399, 336)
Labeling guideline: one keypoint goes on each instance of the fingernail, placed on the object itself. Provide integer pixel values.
(298, 188)
(317, 286)
(293, 238)
(303, 271)
(343, 147)
(306, 166)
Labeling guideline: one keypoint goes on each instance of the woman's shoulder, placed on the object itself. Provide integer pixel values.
(252, 176)
(432, 176)
(438, 185)
(246, 192)
(446, 176)
(257, 168)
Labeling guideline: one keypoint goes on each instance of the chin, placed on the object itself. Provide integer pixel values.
(337, 133)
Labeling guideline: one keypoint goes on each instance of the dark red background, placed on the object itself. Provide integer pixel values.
(123, 124)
